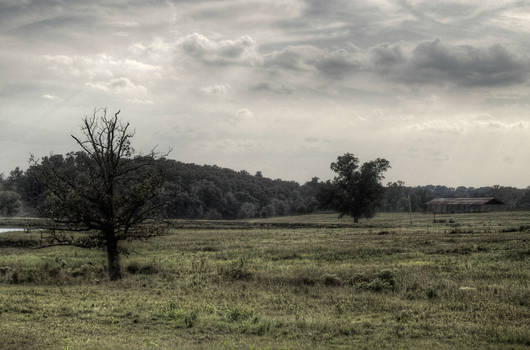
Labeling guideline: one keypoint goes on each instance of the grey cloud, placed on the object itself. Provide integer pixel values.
(121, 85)
(431, 63)
(292, 57)
(458, 12)
(332, 63)
(80, 26)
(339, 62)
(333, 22)
(218, 89)
(371, 23)
(435, 63)
(280, 89)
(342, 10)
(240, 51)
(436, 12)
(231, 9)
(385, 56)
(57, 24)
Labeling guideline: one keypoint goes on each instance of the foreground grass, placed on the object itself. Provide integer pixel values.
(456, 284)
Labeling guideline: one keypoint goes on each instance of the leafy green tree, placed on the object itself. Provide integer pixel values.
(268, 211)
(524, 201)
(358, 190)
(105, 191)
(247, 210)
(15, 175)
(9, 203)
(396, 197)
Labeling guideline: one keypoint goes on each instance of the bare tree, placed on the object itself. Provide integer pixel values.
(104, 193)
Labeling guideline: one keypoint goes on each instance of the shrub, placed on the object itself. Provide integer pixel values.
(240, 313)
(235, 271)
(149, 268)
(87, 270)
(388, 277)
(133, 268)
(331, 280)
(384, 280)
(184, 317)
(432, 293)
(377, 285)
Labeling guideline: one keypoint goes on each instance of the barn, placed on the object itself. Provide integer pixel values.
(464, 205)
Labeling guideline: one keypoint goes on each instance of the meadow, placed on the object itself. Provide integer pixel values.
(302, 282)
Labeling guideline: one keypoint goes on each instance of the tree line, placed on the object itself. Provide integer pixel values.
(189, 191)
(194, 191)
(398, 196)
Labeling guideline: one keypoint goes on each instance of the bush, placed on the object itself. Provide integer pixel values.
(384, 280)
(377, 285)
(432, 293)
(235, 271)
(143, 269)
(331, 280)
(388, 277)
(306, 276)
(240, 313)
(87, 270)
(184, 317)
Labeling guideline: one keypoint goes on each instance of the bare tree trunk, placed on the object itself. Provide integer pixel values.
(113, 259)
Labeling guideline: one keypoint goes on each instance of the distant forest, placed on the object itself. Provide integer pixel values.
(211, 192)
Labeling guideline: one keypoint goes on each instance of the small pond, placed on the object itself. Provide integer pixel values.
(10, 229)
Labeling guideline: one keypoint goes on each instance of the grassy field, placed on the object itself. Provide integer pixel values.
(459, 283)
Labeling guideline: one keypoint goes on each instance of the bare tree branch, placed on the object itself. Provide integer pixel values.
(104, 187)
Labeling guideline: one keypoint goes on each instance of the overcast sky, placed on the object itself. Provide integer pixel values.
(439, 88)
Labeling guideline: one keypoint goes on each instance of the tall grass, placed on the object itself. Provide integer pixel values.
(383, 285)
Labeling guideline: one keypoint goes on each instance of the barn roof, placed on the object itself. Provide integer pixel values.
(466, 201)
